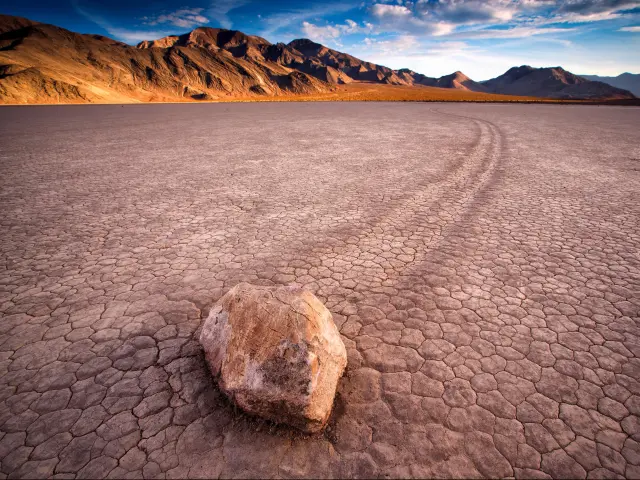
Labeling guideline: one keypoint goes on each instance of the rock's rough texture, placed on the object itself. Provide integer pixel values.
(276, 353)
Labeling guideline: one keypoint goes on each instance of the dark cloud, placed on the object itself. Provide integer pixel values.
(587, 7)
(461, 12)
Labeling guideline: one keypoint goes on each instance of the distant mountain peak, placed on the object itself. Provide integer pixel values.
(460, 76)
(304, 42)
(551, 82)
(626, 80)
(9, 23)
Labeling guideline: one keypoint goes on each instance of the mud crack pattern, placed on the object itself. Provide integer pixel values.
(482, 264)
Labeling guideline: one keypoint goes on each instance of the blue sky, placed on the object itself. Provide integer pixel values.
(435, 37)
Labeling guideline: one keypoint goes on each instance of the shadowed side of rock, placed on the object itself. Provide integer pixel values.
(276, 353)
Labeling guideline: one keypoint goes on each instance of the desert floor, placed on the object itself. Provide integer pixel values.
(482, 263)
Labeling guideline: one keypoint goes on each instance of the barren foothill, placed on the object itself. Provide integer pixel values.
(480, 261)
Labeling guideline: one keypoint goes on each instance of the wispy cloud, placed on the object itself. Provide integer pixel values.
(286, 20)
(183, 17)
(219, 11)
(514, 32)
(131, 36)
(635, 29)
(134, 37)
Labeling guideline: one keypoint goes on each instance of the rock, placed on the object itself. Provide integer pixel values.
(276, 353)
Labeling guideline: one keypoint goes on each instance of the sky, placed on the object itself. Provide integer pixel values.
(483, 39)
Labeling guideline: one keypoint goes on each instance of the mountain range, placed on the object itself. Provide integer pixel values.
(41, 63)
(627, 81)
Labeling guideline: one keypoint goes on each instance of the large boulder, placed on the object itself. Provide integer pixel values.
(276, 353)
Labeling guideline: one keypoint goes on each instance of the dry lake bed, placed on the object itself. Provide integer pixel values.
(482, 263)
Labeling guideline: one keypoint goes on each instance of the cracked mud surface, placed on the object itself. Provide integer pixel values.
(481, 261)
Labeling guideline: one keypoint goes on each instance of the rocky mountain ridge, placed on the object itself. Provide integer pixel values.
(626, 81)
(551, 82)
(41, 63)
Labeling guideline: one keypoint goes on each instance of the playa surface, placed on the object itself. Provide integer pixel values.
(481, 262)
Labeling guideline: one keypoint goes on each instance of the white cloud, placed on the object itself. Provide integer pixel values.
(351, 27)
(184, 17)
(635, 29)
(329, 33)
(400, 19)
(441, 28)
(318, 33)
(382, 11)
